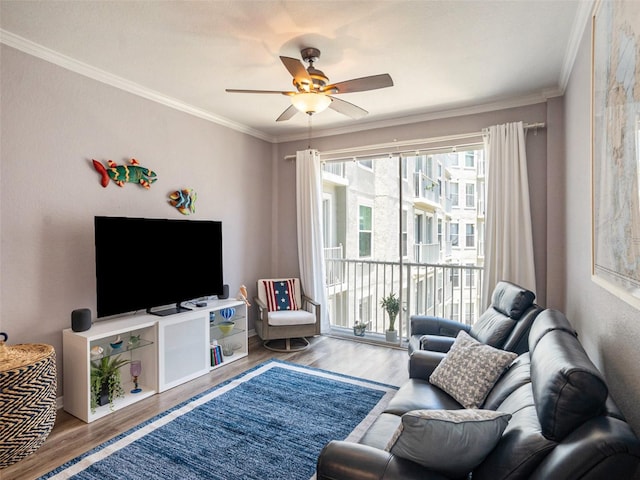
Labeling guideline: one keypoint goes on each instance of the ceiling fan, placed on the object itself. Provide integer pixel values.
(314, 93)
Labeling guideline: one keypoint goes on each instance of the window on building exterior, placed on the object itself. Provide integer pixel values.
(440, 232)
(468, 313)
(471, 235)
(326, 221)
(455, 312)
(470, 195)
(469, 159)
(404, 232)
(418, 228)
(469, 279)
(366, 164)
(454, 234)
(365, 230)
(454, 194)
(455, 277)
(364, 309)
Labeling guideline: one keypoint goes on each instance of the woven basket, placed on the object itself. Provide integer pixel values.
(28, 386)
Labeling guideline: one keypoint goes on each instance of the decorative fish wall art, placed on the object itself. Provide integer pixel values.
(184, 200)
(122, 174)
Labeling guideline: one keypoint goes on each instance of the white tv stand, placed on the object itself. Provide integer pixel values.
(172, 349)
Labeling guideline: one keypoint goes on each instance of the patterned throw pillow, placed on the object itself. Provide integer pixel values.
(280, 295)
(452, 442)
(470, 370)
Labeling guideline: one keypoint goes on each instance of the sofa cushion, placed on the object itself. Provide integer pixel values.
(288, 317)
(452, 442)
(520, 450)
(547, 321)
(511, 300)
(383, 429)
(470, 369)
(492, 328)
(418, 394)
(568, 389)
(518, 374)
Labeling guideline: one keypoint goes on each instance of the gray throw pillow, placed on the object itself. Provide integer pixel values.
(451, 442)
(470, 370)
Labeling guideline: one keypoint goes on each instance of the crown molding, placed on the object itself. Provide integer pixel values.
(51, 56)
(504, 104)
(582, 18)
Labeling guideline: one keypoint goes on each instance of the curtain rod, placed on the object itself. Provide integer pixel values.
(352, 152)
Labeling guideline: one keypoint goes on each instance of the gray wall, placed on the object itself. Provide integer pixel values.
(608, 327)
(53, 123)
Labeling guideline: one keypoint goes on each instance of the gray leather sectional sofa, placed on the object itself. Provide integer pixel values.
(562, 422)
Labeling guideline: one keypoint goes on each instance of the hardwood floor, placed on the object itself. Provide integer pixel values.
(71, 437)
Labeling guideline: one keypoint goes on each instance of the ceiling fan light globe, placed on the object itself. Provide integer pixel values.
(310, 103)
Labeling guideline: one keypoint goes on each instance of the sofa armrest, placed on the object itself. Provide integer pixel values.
(353, 461)
(429, 325)
(436, 343)
(262, 308)
(422, 363)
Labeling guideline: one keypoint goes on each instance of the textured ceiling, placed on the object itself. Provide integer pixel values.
(442, 55)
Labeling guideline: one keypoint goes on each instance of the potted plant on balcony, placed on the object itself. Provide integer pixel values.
(391, 304)
(106, 383)
(359, 328)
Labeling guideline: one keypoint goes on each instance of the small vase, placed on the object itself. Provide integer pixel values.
(359, 329)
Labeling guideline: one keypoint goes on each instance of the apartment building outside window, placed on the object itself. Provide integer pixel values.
(454, 234)
(404, 233)
(470, 235)
(436, 252)
(470, 195)
(365, 230)
(454, 194)
(469, 159)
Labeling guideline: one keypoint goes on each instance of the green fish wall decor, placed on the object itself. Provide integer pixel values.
(122, 174)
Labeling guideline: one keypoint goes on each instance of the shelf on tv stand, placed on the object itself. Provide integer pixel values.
(173, 350)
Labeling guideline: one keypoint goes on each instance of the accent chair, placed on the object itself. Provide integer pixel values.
(286, 315)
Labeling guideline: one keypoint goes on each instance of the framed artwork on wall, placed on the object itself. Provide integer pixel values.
(615, 148)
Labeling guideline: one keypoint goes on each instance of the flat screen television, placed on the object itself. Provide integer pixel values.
(145, 263)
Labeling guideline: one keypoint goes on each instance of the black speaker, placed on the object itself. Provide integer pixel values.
(225, 292)
(81, 320)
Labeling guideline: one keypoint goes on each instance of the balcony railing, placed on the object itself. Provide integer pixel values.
(450, 291)
(426, 252)
(425, 187)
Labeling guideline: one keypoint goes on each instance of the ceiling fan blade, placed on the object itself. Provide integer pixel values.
(287, 114)
(360, 84)
(235, 90)
(346, 108)
(296, 68)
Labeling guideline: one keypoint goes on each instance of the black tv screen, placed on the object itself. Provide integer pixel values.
(142, 263)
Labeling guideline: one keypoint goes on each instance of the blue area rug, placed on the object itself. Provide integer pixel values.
(268, 423)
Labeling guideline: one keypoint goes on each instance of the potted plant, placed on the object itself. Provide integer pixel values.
(359, 328)
(106, 384)
(391, 304)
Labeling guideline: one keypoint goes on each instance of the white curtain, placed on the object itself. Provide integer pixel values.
(309, 216)
(508, 233)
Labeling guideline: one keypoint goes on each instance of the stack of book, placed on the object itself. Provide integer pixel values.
(216, 355)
